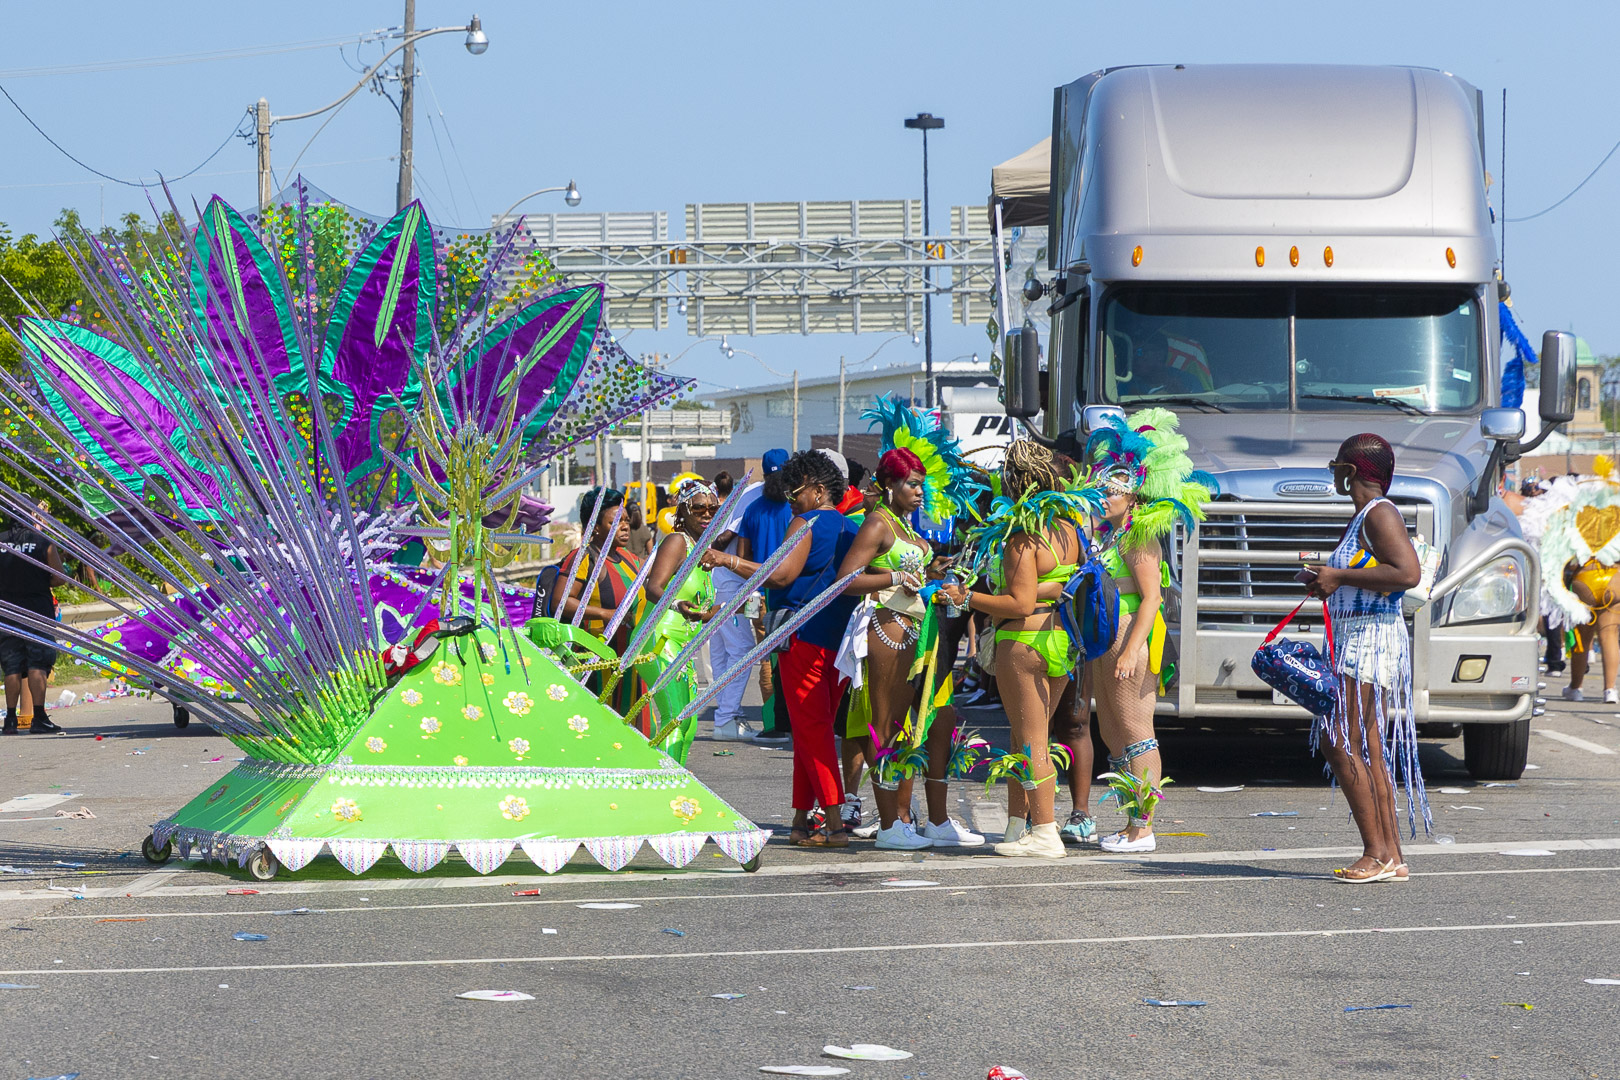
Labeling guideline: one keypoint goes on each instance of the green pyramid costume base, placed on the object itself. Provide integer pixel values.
(468, 751)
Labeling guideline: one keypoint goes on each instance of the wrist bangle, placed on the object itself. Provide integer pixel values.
(894, 577)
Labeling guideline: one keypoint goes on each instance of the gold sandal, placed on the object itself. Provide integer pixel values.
(1379, 871)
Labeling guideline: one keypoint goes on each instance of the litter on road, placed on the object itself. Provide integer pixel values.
(243, 935)
(804, 1070)
(1276, 813)
(1525, 1005)
(669, 930)
(607, 907)
(728, 997)
(866, 1052)
(1369, 1008)
(1173, 1004)
(241, 892)
(69, 865)
(1604, 982)
(495, 995)
(30, 986)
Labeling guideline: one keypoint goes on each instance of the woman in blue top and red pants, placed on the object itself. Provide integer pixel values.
(810, 681)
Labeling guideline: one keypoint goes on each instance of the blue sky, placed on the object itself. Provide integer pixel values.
(653, 105)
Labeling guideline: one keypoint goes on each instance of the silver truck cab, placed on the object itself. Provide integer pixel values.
(1286, 256)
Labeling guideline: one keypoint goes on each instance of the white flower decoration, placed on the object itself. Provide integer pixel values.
(411, 697)
(514, 808)
(472, 712)
(557, 692)
(346, 810)
(518, 746)
(518, 703)
(430, 724)
(579, 724)
(376, 745)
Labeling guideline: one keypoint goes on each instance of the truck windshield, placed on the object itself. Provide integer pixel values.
(1412, 349)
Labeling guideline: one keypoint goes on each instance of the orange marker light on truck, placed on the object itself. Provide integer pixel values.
(1293, 256)
(1327, 256)
(1259, 256)
(1136, 255)
(1451, 258)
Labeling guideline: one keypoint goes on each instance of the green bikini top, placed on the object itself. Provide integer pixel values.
(1130, 598)
(903, 555)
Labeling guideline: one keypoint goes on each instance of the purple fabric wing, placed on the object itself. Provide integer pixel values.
(379, 332)
(238, 296)
(133, 427)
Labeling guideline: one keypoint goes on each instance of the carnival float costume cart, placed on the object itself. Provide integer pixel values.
(255, 466)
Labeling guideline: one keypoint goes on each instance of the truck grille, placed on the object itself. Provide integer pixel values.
(1242, 562)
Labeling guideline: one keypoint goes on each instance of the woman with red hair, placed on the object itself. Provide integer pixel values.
(1371, 734)
(895, 561)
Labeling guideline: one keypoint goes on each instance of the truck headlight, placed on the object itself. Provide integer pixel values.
(1494, 591)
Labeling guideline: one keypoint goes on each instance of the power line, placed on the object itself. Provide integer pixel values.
(106, 176)
(214, 172)
(1576, 188)
(186, 58)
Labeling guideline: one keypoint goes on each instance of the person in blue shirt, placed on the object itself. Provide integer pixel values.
(763, 526)
(809, 675)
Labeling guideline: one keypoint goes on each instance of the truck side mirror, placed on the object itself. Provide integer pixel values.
(1093, 417)
(1502, 425)
(1022, 373)
(1557, 377)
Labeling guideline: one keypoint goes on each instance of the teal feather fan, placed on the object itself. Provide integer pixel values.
(950, 484)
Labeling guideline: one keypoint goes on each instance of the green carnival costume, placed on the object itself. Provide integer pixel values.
(254, 452)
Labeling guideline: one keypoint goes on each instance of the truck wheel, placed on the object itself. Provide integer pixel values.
(1496, 751)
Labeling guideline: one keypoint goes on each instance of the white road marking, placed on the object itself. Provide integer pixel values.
(38, 801)
(843, 867)
(1570, 740)
(953, 890)
(832, 950)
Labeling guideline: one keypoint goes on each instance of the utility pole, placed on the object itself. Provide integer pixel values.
(840, 404)
(261, 116)
(407, 110)
(926, 122)
(646, 456)
(795, 410)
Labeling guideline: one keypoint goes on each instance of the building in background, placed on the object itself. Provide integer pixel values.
(762, 417)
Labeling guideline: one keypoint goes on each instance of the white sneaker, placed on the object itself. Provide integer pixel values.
(1117, 843)
(1016, 827)
(901, 837)
(1611, 696)
(1572, 694)
(866, 832)
(735, 731)
(950, 833)
(1041, 841)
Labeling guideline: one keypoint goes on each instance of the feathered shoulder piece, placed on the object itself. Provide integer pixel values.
(1585, 529)
(950, 483)
(1146, 456)
(1035, 514)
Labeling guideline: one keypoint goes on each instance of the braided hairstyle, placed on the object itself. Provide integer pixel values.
(1029, 467)
(1373, 458)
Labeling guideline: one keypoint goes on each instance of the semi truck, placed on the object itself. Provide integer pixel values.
(1287, 255)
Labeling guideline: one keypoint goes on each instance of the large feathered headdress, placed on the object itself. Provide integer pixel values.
(1144, 455)
(950, 484)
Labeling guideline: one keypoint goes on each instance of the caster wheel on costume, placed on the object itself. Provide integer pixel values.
(751, 865)
(154, 854)
(182, 718)
(263, 865)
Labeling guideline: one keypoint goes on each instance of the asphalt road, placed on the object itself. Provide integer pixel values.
(1040, 967)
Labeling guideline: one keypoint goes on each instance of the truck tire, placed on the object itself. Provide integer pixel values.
(1496, 751)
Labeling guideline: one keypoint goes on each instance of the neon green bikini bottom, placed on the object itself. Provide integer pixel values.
(1052, 645)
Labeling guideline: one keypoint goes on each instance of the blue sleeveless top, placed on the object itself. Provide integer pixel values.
(831, 535)
(1348, 602)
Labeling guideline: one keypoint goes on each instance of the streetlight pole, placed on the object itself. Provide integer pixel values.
(841, 405)
(407, 108)
(926, 122)
(477, 43)
(571, 196)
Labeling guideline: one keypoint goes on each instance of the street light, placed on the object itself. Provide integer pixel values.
(477, 43)
(570, 192)
(926, 122)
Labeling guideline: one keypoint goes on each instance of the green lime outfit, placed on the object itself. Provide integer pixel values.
(671, 634)
(489, 745)
(1053, 643)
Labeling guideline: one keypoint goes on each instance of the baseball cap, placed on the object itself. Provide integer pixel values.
(837, 459)
(773, 461)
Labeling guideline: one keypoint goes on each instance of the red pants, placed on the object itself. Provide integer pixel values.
(811, 686)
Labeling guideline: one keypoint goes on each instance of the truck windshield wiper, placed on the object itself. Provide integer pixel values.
(1195, 402)
(1369, 399)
